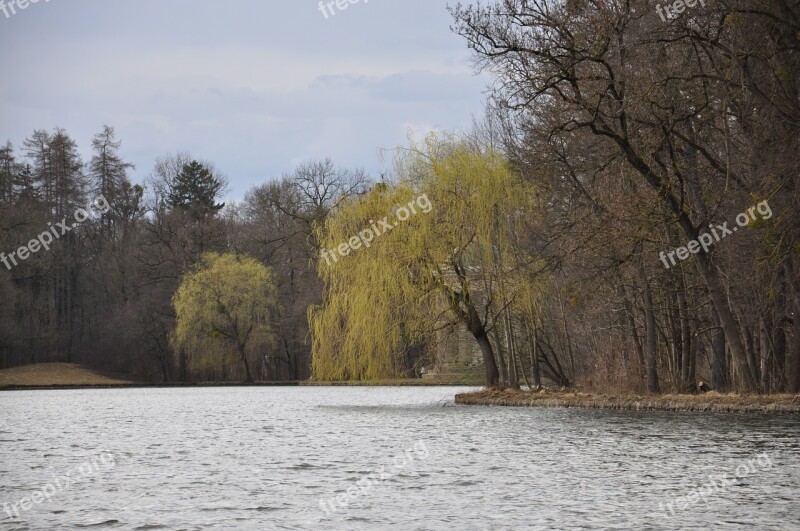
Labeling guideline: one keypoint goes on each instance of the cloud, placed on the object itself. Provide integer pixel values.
(254, 86)
(412, 86)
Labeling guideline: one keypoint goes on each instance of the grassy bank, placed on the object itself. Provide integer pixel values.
(56, 374)
(709, 402)
(74, 376)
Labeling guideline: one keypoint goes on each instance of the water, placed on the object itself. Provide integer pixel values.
(264, 458)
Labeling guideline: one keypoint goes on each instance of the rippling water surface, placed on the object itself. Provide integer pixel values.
(278, 458)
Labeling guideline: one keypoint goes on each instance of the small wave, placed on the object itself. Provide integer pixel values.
(98, 524)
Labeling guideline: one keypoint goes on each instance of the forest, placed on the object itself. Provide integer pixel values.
(623, 217)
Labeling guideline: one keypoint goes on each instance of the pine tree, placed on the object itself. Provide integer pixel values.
(195, 189)
(24, 187)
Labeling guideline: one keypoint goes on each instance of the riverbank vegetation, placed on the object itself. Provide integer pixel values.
(711, 402)
(455, 267)
(611, 139)
(640, 134)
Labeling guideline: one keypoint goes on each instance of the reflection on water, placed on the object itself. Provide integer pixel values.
(352, 458)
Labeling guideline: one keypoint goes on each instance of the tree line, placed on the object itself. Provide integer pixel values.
(637, 135)
(611, 136)
(105, 294)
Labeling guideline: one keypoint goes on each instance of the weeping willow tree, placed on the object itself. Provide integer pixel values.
(372, 302)
(442, 266)
(223, 311)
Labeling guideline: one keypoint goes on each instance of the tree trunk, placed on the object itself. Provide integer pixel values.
(242, 353)
(492, 375)
(500, 357)
(743, 378)
(796, 356)
(719, 363)
(247, 369)
(513, 378)
(780, 331)
(478, 331)
(650, 333)
(687, 361)
(536, 372)
(637, 343)
(749, 345)
(765, 359)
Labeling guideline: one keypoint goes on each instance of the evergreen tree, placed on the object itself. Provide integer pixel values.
(24, 186)
(195, 189)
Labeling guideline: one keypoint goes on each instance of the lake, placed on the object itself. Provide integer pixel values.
(382, 457)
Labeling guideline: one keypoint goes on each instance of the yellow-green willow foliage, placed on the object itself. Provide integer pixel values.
(370, 296)
(380, 298)
(223, 311)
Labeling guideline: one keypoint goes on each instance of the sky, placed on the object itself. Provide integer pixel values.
(254, 86)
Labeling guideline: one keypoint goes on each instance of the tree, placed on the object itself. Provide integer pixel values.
(9, 169)
(174, 239)
(195, 189)
(107, 168)
(282, 215)
(666, 106)
(57, 170)
(450, 264)
(223, 312)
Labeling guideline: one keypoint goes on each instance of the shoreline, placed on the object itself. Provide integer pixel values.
(177, 385)
(56, 387)
(60, 376)
(711, 402)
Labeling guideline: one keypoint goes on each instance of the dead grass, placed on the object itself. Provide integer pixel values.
(46, 374)
(712, 402)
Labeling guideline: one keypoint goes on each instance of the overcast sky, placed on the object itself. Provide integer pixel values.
(256, 86)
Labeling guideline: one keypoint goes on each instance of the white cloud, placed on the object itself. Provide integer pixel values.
(255, 87)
